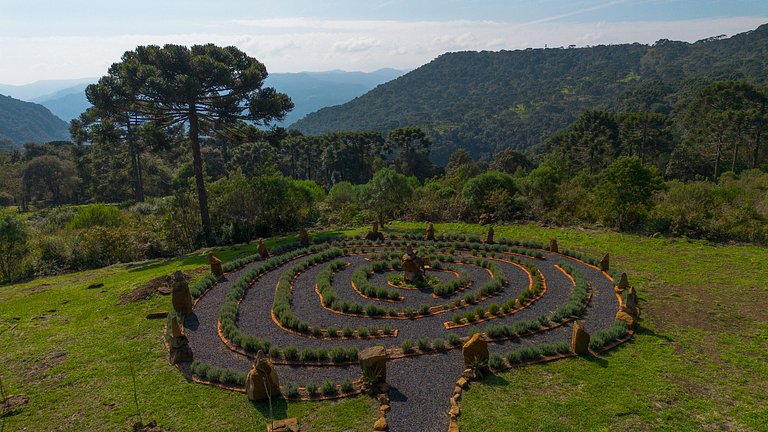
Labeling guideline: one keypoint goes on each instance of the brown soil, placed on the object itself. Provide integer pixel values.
(13, 404)
(149, 427)
(161, 285)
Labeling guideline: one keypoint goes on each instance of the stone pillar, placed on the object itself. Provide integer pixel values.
(475, 353)
(489, 238)
(374, 234)
(179, 351)
(374, 359)
(430, 232)
(605, 263)
(262, 381)
(263, 251)
(553, 245)
(216, 266)
(303, 237)
(579, 340)
(180, 296)
(623, 283)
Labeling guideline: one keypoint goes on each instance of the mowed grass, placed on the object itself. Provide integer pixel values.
(697, 363)
(70, 349)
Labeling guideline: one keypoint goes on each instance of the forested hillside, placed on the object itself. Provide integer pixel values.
(488, 101)
(25, 121)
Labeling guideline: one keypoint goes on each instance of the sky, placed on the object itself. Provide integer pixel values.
(47, 40)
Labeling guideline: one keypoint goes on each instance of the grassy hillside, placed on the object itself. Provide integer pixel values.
(487, 101)
(697, 363)
(25, 121)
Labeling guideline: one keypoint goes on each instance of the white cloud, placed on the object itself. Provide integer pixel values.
(301, 44)
(356, 44)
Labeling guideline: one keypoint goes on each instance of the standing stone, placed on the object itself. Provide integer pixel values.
(374, 234)
(413, 265)
(605, 263)
(216, 267)
(623, 283)
(579, 340)
(374, 359)
(489, 238)
(430, 232)
(179, 351)
(181, 299)
(553, 245)
(262, 381)
(475, 352)
(263, 251)
(303, 237)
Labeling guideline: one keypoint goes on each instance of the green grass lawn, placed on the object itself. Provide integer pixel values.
(697, 363)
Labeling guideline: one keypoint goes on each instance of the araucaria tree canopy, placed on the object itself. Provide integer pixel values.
(204, 87)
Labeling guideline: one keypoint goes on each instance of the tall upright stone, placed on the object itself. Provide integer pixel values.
(430, 232)
(579, 340)
(623, 283)
(263, 251)
(303, 237)
(374, 234)
(217, 267)
(179, 351)
(553, 245)
(374, 360)
(489, 237)
(262, 381)
(605, 263)
(475, 352)
(181, 299)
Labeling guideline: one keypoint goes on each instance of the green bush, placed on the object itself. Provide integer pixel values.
(97, 215)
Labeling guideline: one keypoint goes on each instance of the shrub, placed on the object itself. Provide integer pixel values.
(312, 388)
(328, 388)
(423, 344)
(291, 353)
(362, 331)
(332, 331)
(496, 362)
(346, 386)
(97, 215)
(456, 319)
(424, 309)
(386, 330)
(291, 390)
(347, 332)
(308, 354)
(493, 309)
(438, 344)
(470, 316)
(453, 339)
(406, 346)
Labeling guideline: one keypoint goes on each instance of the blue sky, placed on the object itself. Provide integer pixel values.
(81, 38)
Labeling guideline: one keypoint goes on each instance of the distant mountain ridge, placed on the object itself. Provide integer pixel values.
(487, 101)
(22, 121)
(310, 91)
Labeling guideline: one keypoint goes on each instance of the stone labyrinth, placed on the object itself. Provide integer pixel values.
(311, 308)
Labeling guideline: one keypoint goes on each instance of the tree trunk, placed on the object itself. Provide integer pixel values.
(197, 163)
(717, 161)
(133, 153)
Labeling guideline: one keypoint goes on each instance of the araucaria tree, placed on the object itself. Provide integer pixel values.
(204, 87)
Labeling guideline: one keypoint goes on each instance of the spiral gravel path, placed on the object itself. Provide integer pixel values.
(420, 385)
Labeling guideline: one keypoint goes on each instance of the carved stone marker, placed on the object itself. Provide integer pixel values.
(430, 232)
(475, 353)
(605, 263)
(303, 237)
(262, 381)
(579, 340)
(553, 245)
(180, 297)
(179, 351)
(413, 265)
(489, 238)
(216, 267)
(374, 359)
(374, 234)
(263, 251)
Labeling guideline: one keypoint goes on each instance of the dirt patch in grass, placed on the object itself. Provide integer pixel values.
(706, 308)
(13, 404)
(160, 285)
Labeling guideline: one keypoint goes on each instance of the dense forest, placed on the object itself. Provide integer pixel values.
(24, 121)
(488, 101)
(157, 170)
